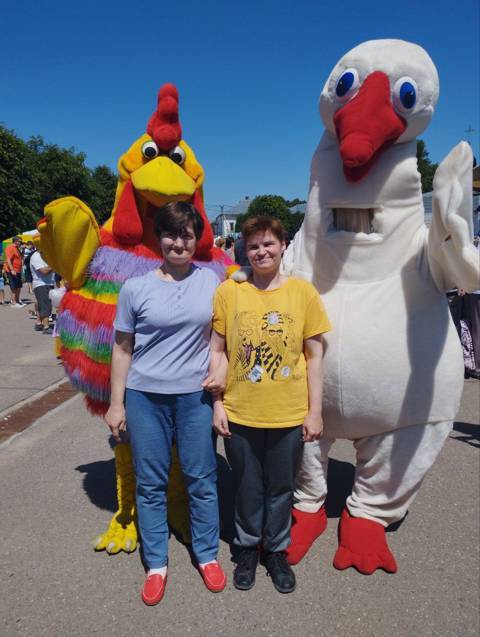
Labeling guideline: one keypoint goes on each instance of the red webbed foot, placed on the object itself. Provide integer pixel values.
(306, 527)
(363, 545)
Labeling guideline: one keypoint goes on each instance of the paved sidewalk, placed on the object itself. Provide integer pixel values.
(28, 359)
(57, 487)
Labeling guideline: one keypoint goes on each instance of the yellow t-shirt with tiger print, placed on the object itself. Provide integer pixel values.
(264, 332)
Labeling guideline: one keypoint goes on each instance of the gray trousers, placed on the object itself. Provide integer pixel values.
(264, 464)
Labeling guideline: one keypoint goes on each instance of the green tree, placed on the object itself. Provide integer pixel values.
(58, 171)
(294, 202)
(267, 205)
(33, 173)
(272, 206)
(18, 201)
(425, 167)
(103, 184)
(295, 221)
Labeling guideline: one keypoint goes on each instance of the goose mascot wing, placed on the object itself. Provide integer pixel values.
(393, 363)
(158, 168)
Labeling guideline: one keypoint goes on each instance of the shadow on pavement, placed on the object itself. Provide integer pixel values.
(99, 486)
(99, 483)
(471, 433)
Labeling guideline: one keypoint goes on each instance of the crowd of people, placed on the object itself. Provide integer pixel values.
(23, 265)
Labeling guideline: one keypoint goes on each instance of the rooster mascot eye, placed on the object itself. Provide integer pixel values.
(347, 85)
(178, 155)
(150, 150)
(405, 94)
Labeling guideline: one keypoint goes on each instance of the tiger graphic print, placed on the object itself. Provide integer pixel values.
(264, 346)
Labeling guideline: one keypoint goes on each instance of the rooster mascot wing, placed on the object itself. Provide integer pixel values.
(158, 168)
(393, 362)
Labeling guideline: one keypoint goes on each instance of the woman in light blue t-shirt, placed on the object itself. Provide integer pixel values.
(160, 362)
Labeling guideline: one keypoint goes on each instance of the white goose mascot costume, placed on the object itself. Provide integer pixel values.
(393, 362)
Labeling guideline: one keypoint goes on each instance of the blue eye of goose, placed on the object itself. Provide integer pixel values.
(345, 83)
(408, 95)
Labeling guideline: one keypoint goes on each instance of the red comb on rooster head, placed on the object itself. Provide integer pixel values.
(163, 126)
(155, 179)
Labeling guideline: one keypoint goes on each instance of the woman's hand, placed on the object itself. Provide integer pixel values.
(115, 419)
(215, 383)
(312, 427)
(217, 374)
(121, 359)
(220, 420)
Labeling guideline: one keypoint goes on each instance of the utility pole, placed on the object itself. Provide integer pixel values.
(469, 132)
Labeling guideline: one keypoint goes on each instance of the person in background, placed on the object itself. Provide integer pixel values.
(27, 253)
(239, 251)
(229, 248)
(471, 313)
(220, 242)
(13, 269)
(270, 327)
(2, 285)
(42, 283)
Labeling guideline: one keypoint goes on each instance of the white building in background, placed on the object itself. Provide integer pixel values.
(224, 224)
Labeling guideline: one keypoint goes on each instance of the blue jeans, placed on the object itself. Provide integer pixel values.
(154, 421)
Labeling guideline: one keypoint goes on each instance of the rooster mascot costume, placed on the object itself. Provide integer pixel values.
(158, 168)
(393, 362)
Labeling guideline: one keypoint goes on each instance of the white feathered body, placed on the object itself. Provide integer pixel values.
(393, 358)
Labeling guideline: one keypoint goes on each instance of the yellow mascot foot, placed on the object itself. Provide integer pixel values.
(118, 537)
(121, 534)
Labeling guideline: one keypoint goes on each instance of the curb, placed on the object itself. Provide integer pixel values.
(23, 414)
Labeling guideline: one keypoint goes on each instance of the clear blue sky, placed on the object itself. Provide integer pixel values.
(86, 74)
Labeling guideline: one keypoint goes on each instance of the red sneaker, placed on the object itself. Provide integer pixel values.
(214, 577)
(153, 589)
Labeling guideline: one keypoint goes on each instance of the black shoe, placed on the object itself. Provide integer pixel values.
(47, 330)
(38, 328)
(244, 573)
(472, 373)
(283, 577)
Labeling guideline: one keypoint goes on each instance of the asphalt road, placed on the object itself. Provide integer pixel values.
(57, 494)
(28, 364)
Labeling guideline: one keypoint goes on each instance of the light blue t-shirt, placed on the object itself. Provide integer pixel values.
(171, 321)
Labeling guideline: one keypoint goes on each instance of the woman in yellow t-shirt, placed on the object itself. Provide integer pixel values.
(270, 327)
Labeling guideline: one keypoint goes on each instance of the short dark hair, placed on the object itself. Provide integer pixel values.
(175, 216)
(262, 224)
